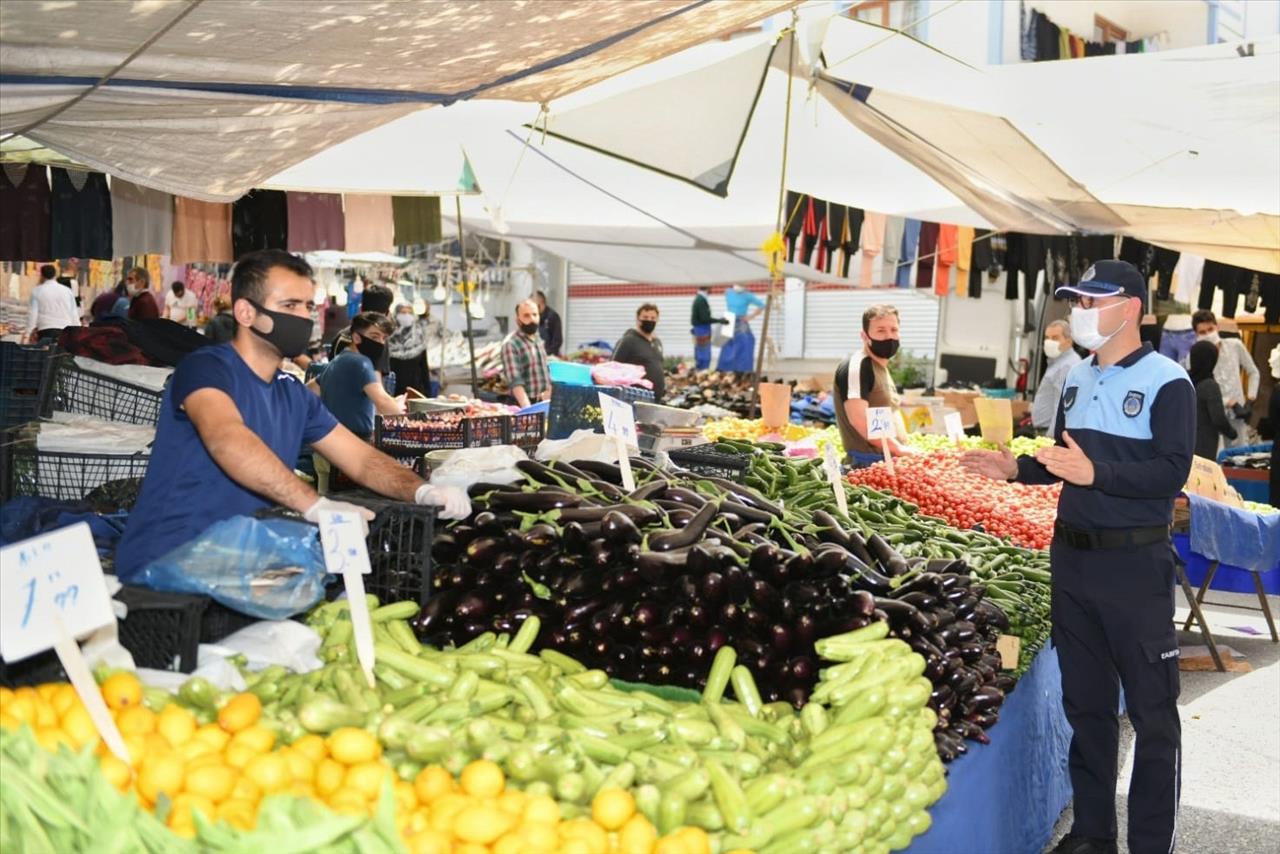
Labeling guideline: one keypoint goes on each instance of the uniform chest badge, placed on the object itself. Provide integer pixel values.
(1133, 403)
(1069, 397)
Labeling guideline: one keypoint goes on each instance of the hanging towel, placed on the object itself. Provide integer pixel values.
(201, 232)
(945, 260)
(928, 250)
(872, 242)
(417, 219)
(26, 202)
(141, 220)
(81, 215)
(315, 222)
(368, 224)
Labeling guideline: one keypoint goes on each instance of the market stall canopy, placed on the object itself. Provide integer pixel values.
(207, 99)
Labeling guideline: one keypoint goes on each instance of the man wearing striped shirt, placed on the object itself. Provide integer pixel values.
(524, 360)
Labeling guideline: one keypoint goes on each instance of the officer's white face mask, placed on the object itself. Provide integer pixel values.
(1052, 349)
(1084, 326)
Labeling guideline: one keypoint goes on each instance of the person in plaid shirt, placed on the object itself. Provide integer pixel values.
(524, 360)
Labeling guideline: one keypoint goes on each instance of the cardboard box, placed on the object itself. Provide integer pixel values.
(962, 402)
(1207, 481)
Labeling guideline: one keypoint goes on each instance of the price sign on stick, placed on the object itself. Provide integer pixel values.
(832, 465)
(955, 428)
(345, 554)
(52, 591)
(881, 425)
(620, 423)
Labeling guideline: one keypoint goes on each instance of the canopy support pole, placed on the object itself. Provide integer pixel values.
(466, 296)
(775, 273)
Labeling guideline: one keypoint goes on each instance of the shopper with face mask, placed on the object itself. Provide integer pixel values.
(639, 346)
(408, 350)
(350, 385)
(863, 381)
(232, 425)
(1125, 431)
(1060, 358)
(142, 303)
(524, 358)
(1211, 416)
(1233, 358)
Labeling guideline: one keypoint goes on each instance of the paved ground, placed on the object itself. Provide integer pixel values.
(1230, 743)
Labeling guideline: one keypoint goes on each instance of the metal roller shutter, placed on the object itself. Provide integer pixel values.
(833, 319)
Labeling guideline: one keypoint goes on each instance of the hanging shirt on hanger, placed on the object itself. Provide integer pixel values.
(417, 219)
(964, 258)
(872, 242)
(315, 222)
(141, 219)
(368, 225)
(907, 257)
(81, 209)
(894, 229)
(945, 260)
(201, 232)
(27, 205)
(984, 260)
(1186, 277)
(259, 220)
(928, 252)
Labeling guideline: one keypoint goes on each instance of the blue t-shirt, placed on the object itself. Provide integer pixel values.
(185, 491)
(342, 390)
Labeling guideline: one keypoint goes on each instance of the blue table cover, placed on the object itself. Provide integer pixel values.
(1006, 797)
(1236, 537)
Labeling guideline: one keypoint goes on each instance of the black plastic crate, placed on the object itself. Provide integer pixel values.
(527, 431)
(25, 470)
(24, 376)
(219, 621)
(419, 432)
(399, 545)
(705, 460)
(73, 389)
(577, 407)
(162, 630)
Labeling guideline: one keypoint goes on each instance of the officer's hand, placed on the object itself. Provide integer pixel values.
(1069, 463)
(997, 465)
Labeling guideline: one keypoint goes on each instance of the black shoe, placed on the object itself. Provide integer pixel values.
(1072, 844)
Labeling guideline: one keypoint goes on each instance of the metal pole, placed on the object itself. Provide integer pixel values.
(466, 296)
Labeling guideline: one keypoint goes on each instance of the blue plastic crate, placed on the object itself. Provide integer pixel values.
(578, 407)
(570, 373)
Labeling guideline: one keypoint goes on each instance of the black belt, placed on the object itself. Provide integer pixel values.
(1113, 538)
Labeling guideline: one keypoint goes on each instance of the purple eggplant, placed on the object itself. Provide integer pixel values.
(686, 536)
(618, 529)
(780, 638)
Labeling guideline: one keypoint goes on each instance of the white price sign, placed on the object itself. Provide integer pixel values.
(52, 591)
(345, 553)
(832, 465)
(955, 429)
(56, 574)
(880, 423)
(620, 422)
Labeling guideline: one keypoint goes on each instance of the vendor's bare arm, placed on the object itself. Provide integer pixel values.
(367, 466)
(240, 453)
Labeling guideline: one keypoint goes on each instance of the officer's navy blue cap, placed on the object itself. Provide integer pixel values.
(1109, 278)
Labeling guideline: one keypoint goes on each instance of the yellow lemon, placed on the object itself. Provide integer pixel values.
(406, 797)
(214, 781)
(176, 724)
(50, 738)
(428, 841)
(348, 803)
(270, 771)
(542, 809)
(541, 837)
(512, 843)
(329, 774)
(122, 690)
(64, 698)
(6, 694)
(686, 840)
(432, 782)
(257, 737)
(22, 708)
(301, 767)
(240, 814)
(240, 755)
(586, 829)
(483, 779)
(191, 803)
(481, 823)
(46, 717)
(195, 748)
(366, 779)
(576, 845)
(212, 735)
(311, 746)
(240, 712)
(352, 746)
(470, 848)
(245, 790)
(79, 726)
(136, 720)
(512, 801)
(611, 808)
(637, 836)
(160, 775)
(117, 773)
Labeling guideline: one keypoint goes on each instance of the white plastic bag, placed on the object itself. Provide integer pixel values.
(285, 642)
(467, 466)
(581, 445)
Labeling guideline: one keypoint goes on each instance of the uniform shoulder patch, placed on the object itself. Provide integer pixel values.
(1132, 405)
(1069, 397)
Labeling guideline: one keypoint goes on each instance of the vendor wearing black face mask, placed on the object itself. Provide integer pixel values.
(350, 386)
(863, 381)
(640, 346)
(232, 425)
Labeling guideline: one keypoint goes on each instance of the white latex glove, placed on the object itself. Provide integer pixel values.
(363, 513)
(454, 501)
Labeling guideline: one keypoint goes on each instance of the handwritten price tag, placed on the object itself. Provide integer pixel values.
(345, 554)
(620, 422)
(832, 465)
(880, 423)
(52, 591)
(955, 428)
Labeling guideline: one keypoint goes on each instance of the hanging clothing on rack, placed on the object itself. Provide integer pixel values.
(928, 250)
(984, 260)
(946, 259)
(417, 220)
(964, 259)
(259, 220)
(1186, 277)
(27, 204)
(815, 224)
(851, 222)
(872, 243)
(368, 225)
(141, 219)
(894, 230)
(201, 232)
(793, 221)
(1027, 254)
(1230, 279)
(315, 222)
(907, 257)
(81, 215)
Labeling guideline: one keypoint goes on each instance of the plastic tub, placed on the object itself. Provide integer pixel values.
(570, 373)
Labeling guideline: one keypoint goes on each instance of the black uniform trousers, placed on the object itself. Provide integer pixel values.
(1113, 627)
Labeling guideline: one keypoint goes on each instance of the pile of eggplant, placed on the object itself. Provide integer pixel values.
(648, 585)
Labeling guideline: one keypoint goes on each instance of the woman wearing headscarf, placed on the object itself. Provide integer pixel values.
(407, 347)
(1211, 416)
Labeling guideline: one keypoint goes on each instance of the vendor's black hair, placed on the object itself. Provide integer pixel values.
(1203, 316)
(249, 277)
(377, 298)
(369, 319)
(48, 271)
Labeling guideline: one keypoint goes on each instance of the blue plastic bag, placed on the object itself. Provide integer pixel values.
(268, 568)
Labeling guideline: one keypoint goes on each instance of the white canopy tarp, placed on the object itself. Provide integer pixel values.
(207, 99)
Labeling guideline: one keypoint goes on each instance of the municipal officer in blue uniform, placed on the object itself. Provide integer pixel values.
(1125, 431)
